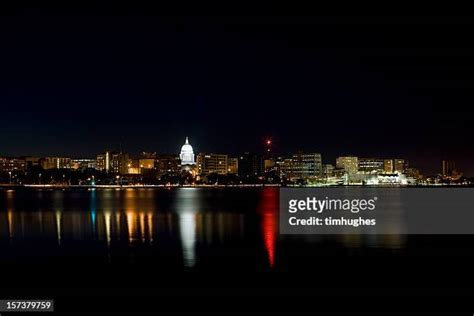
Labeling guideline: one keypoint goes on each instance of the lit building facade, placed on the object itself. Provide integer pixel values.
(302, 166)
(348, 163)
(370, 165)
(147, 161)
(447, 167)
(212, 163)
(113, 162)
(56, 163)
(8, 164)
(168, 164)
(400, 166)
(388, 166)
(186, 156)
(395, 166)
(232, 165)
(77, 164)
(103, 162)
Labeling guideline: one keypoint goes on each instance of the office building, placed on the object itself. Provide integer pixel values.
(168, 164)
(232, 165)
(211, 163)
(348, 163)
(370, 165)
(447, 167)
(251, 165)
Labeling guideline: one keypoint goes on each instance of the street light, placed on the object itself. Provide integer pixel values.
(10, 174)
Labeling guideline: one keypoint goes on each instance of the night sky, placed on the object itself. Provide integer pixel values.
(79, 82)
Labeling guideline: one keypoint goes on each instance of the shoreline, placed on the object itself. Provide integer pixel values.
(163, 186)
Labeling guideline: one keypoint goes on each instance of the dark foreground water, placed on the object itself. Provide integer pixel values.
(205, 242)
(180, 228)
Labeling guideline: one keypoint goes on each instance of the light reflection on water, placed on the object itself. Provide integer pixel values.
(197, 219)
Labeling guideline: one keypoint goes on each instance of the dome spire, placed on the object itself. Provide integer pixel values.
(187, 141)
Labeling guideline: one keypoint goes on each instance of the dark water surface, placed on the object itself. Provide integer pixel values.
(183, 228)
(199, 241)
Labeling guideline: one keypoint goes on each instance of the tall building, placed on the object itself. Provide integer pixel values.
(348, 163)
(285, 167)
(168, 164)
(370, 165)
(307, 165)
(103, 162)
(302, 166)
(211, 163)
(232, 165)
(400, 166)
(187, 156)
(395, 166)
(147, 161)
(388, 166)
(447, 167)
(251, 165)
(113, 162)
(8, 164)
(84, 164)
(119, 163)
(56, 163)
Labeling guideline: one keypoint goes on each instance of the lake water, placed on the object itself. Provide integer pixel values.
(182, 228)
(162, 242)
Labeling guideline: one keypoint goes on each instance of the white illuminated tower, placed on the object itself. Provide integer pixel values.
(187, 155)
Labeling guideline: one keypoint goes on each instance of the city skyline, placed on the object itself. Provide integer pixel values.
(334, 84)
(265, 144)
(187, 156)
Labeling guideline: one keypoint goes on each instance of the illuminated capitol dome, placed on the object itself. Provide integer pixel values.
(187, 154)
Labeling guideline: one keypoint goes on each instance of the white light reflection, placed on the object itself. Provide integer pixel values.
(187, 199)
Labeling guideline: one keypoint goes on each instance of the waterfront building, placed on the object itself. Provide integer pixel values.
(211, 163)
(133, 166)
(414, 173)
(103, 162)
(119, 163)
(168, 164)
(113, 162)
(302, 166)
(232, 165)
(251, 165)
(307, 165)
(147, 161)
(348, 163)
(55, 163)
(395, 165)
(447, 167)
(83, 163)
(9, 164)
(370, 165)
(400, 166)
(388, 166)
